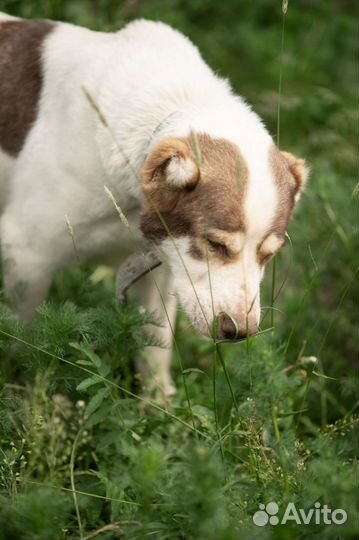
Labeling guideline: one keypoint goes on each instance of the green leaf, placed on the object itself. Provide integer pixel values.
(96, 401)
(106, 440)
(105, 368)
(86, 383)
(322, 376)
(193, 370)
(205, 416)
(100, 415)
(291, 413)
(95, 360)
(84, 363)
(135, 436)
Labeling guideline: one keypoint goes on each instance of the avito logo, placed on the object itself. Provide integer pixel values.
(267, 514)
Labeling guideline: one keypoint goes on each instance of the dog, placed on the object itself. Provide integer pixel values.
(189, 167)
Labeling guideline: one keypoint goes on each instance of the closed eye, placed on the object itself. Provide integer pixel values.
(264, 259)
(218, 247)
(268, 257)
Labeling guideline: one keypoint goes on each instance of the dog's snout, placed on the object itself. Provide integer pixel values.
(229, 328)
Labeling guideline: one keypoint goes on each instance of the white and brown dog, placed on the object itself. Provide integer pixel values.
(190, 165)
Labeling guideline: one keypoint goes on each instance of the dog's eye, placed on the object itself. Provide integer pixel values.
(264, 259)
(269, 256)
(219, 248)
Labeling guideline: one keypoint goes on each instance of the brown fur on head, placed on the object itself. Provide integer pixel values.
(169, 168)
(193, 193)
(299, 171)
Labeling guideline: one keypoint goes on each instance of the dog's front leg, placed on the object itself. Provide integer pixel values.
(154, 367)
(27, 267)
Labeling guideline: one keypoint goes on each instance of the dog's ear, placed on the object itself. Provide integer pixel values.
(169, 168)
(299, 170)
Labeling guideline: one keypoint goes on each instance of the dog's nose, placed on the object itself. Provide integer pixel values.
(229, 328)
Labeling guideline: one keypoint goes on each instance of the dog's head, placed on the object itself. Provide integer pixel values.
(218, 219)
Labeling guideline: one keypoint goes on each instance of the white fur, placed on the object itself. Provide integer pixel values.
(6, 17)
(271, 244)
(179, 171)
(206, 288)
(237, 242)
(150, 82)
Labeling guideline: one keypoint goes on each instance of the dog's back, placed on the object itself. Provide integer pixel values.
(20, 76)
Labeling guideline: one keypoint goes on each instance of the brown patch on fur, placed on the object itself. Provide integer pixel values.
(290, 174)
(298, 168)
(20, 79)
(214, 200)
(286, 189)
(155, 167)
(160, 194)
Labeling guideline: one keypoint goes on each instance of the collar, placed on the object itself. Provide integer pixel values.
(160, 126)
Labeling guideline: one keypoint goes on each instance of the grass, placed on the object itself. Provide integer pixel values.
(272, 418)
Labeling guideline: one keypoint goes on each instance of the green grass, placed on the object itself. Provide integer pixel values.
(80, 455)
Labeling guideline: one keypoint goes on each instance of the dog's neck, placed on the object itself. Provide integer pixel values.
(161, 125)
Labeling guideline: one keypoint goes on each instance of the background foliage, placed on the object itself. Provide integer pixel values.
(69, 416)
